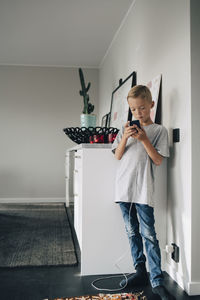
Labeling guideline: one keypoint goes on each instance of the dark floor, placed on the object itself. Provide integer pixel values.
(47, 283)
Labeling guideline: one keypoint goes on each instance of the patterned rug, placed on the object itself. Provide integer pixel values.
(35, 235)
(123, 296)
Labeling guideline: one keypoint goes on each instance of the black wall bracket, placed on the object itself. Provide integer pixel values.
(176, 135)
(175, 253)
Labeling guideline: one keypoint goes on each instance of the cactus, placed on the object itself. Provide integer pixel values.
(88, 107)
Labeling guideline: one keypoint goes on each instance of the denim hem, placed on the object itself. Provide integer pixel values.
(157, 283)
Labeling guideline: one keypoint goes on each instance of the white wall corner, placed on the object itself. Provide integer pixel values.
(117, 33)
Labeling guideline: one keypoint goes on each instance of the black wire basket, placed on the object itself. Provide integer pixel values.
(81, 135)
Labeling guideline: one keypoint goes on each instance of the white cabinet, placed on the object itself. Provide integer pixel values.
(69, 167)
(97, 219)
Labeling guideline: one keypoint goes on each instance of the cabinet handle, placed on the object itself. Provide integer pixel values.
(75, 171)
(75, 195)
(77, 156)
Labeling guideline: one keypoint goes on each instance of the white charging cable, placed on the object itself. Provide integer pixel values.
(117, 266)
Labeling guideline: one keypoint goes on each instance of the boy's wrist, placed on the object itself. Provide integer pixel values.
(124, 138)
(145, 141)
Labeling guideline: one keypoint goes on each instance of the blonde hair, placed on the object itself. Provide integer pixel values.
(141, 91)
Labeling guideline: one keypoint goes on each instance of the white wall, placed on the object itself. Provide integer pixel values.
(154, 39)
(36, 103)
(195, 83)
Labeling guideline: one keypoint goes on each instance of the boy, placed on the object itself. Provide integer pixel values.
(140, 150)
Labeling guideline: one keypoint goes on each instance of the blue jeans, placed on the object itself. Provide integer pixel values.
(145, 214)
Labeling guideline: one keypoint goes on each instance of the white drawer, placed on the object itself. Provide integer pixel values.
(77, 181)
(77, 160)
(69, 164)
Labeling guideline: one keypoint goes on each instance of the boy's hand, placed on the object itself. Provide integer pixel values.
(139, 133)
(128, 130)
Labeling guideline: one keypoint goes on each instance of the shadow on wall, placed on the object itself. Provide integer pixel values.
(176, 209)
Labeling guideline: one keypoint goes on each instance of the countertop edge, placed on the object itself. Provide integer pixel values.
(90, 146)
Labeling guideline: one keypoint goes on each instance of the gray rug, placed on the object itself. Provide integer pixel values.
(35, 235)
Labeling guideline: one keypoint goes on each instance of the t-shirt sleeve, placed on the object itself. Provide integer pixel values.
(162, 142)
(117, 140)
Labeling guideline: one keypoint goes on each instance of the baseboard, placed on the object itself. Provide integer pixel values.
(30, 200)
(190, 287)
(194, 288)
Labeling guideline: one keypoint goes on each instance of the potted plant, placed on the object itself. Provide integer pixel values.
(87, 119)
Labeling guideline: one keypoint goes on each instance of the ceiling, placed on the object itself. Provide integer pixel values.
(71, 33)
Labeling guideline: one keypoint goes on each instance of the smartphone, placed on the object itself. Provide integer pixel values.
(136, 122)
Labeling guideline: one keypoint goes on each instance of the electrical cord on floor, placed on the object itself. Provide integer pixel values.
(114, 276)
(109, 277)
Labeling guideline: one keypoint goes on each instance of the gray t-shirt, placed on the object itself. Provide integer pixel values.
(136, 171)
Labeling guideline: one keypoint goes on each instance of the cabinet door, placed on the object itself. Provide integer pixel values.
(69, 167)
(77, 183)
(67, 164)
